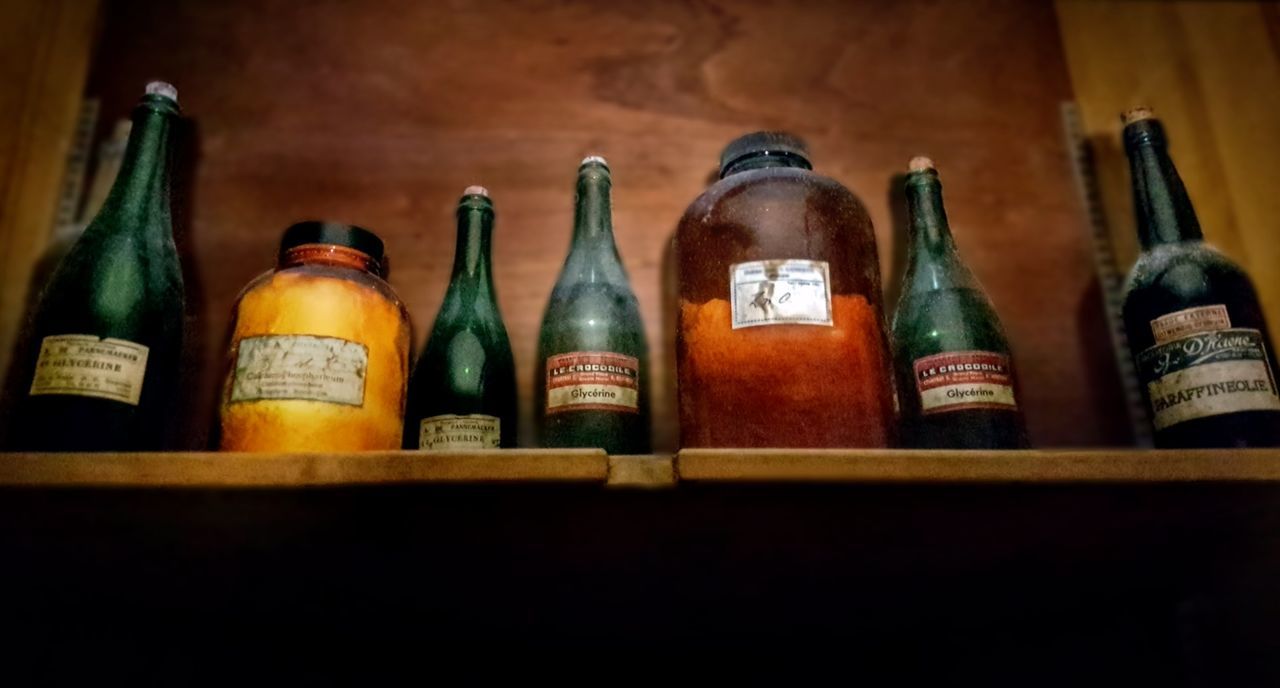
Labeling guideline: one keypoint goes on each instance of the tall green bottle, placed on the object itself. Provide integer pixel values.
(954, 369)
(462, 394)
(592, 374)
(108, 330)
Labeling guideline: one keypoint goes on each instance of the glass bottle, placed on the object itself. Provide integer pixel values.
(781, 339)
(109, 324)
(592, 377)
(463, 391)
(1197, 331)
(955, 372)
(319, 352)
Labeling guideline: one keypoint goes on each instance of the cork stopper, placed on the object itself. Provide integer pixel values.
(599, 159)
(920, 163)
(162, 88)
(475, 191)
(1136, 115)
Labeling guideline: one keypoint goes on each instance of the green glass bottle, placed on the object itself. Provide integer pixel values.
(462, 394)
(108, 331)
(954, 369)
(592, 375)
(1192, 316)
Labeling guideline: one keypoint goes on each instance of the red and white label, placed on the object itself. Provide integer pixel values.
(593, 381)
(1179, 324)
(961, 380)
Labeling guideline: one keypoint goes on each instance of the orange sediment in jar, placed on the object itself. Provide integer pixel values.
(321, 306)
(784, 385)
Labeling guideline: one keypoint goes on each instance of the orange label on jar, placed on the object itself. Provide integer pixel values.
(962, 380)
(593, 381)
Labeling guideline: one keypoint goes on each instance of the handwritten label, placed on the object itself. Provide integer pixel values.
(780, 292)
(304, 367)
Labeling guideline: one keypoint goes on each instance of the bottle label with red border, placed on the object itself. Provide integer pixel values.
(962, 380)
(593, 381)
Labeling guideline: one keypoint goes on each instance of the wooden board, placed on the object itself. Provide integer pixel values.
(1211, 70)
(380, 113)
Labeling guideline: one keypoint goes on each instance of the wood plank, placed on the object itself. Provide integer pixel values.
(187, 470)
(381, 112)
(44, 59)
(835, 466)
(1212, 73)
(642, 471)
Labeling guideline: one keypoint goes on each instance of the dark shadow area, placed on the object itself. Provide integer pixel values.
(666, 437)
(188, 432)
(1111, 413)
(901, 233)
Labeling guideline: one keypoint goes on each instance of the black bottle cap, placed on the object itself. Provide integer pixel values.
(333, 233)
(775, 143)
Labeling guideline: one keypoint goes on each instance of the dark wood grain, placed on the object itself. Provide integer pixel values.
(380, 113)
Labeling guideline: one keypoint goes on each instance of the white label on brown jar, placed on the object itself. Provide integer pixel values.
(1208, 374)
(302, 367)
(450, 432)
(593, 381)
(87, 366)
(780, 292)
(1179, 324)
(960, 380)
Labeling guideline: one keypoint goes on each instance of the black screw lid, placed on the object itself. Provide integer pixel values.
(334, 233)
(776, 143)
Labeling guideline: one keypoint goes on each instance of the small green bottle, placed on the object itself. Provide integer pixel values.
(955, 373)
(592, 370)
(462, 394)
(108, 331)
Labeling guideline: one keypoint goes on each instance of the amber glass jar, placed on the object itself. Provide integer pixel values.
(781, 339)
(319, 353)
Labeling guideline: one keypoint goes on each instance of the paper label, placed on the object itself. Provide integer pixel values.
(87, 366)
(960, 380)
(780, 292)
(1179, 324)
(1208, 374)
(592, 380)
(450, 432)
(304, 367)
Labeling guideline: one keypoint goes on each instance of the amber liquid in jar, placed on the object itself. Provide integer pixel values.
(319, 356)
(781, 339)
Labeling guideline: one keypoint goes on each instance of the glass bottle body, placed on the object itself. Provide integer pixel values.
(781, 337)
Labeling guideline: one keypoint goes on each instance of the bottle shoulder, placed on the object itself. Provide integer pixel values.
(741, 196)
(940, 320)
(1188, 272)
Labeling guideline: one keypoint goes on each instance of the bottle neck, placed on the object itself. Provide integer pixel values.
(472, 255)
(1160, 203)
(593, 255)
(140, 194)
(767, 159)
(329, 255)
(932, 259)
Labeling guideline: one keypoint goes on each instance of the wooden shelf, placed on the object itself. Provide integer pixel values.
(593, 466)
(1034, 466)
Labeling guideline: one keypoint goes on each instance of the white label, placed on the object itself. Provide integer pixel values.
(449, 432)
(303, 367)
(593, 381)
(1207, 374)
(780, 292)
(84, 365)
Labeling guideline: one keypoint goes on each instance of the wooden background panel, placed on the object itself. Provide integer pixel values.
(44, 58)
(1211, 70)
(380, 113)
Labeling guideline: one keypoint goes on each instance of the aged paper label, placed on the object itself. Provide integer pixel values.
(304, 367)
(1208, 374)
(780, 292)
(87, 366)
(450, 432)
(1179, 324)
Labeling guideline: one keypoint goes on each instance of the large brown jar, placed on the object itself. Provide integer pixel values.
(319, 354)
(781, 338)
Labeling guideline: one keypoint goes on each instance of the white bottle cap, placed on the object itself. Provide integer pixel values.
(475, 191)
(595, 158)
(920, 164)
(161, 88)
